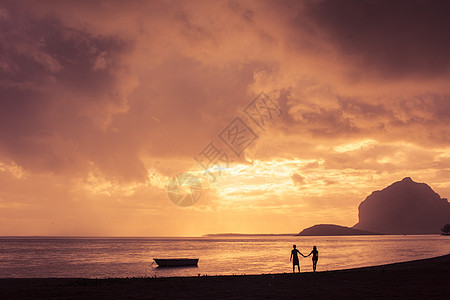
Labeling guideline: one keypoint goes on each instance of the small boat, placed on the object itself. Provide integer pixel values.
(176, 262)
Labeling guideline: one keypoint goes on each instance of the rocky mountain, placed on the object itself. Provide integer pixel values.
(330, 229)
(405, 207)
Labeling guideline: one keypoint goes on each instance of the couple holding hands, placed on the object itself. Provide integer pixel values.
(294, 258)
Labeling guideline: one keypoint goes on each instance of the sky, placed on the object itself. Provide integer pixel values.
(271, 116)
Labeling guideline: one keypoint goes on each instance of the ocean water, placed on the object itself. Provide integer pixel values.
(133, 257)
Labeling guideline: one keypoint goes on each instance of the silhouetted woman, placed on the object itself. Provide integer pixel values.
(315, 257)
(294, 259)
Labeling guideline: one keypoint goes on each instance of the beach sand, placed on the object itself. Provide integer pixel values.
(421, 279)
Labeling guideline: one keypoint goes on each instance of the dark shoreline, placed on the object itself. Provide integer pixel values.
(426, 278)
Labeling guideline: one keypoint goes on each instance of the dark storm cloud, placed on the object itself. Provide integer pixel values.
(59, 87)
(390, 38)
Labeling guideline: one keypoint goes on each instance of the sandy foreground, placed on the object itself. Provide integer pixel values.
(420, 279)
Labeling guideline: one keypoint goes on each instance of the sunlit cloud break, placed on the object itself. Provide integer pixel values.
(104, 103)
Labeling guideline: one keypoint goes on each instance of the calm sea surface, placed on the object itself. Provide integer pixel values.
(133, 257)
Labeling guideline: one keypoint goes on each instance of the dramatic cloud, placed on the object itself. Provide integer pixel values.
(390, 39)
(103, 102)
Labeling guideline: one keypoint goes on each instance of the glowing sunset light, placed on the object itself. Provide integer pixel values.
(263, 114)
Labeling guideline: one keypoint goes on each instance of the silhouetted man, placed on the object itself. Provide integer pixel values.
(294, 259)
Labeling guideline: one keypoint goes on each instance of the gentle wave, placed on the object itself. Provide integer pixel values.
(133, 257)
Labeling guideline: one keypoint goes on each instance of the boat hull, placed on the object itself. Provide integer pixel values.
(176, 262)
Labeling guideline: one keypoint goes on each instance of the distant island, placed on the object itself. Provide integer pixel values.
(246, 234)
(404, 207)
(330, 229)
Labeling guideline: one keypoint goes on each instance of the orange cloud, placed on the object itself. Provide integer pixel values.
(102, 103)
